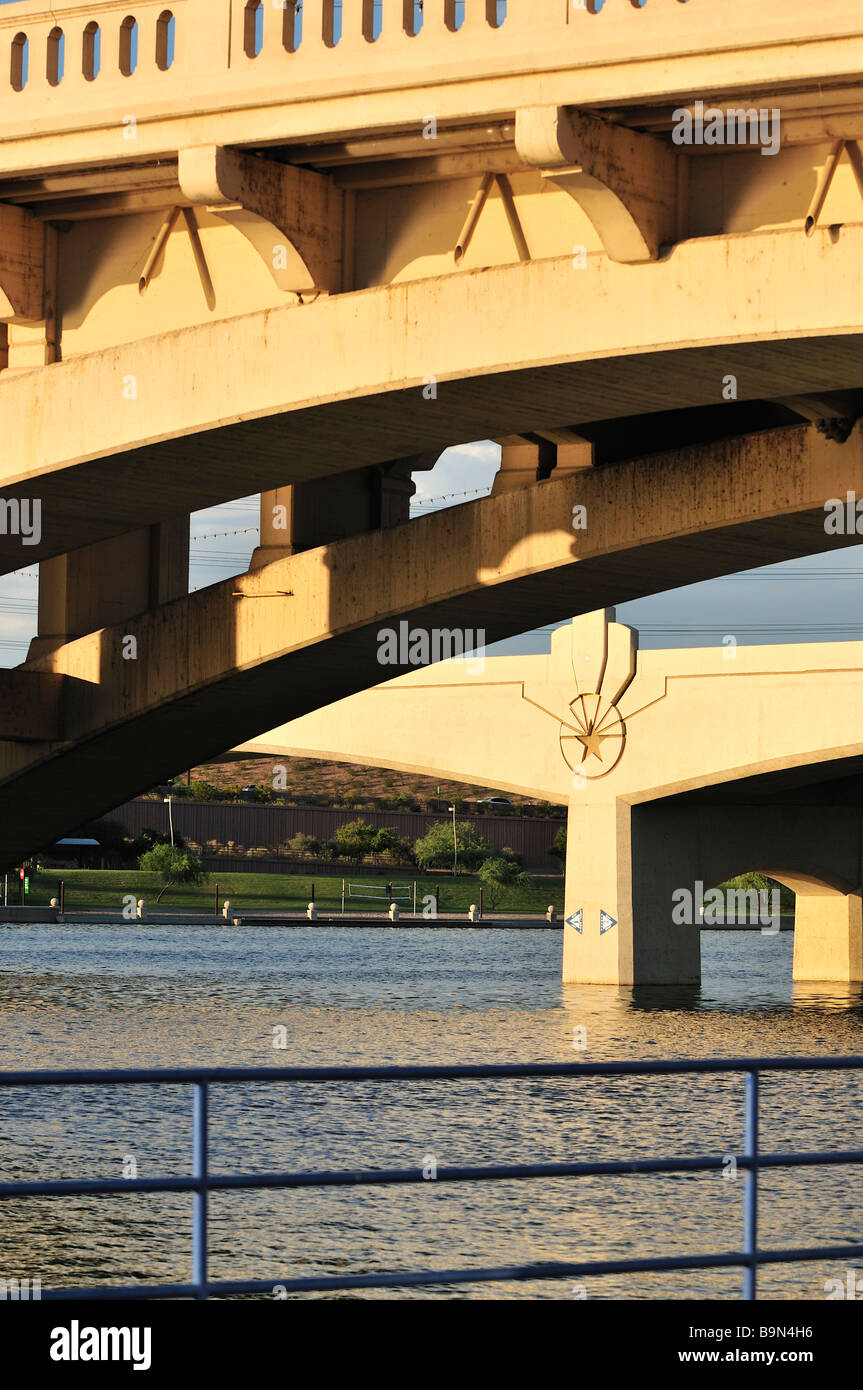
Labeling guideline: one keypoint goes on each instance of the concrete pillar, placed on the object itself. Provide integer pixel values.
(105, 583)
(598, 881)
(828, 936)
(620, 876)
(301, 516)
(532, 459)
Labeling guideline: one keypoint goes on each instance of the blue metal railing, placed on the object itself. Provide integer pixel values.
(201, 1181)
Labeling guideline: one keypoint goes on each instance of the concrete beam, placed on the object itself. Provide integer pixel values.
(259, 195)
(625, 181)
(104, 463)
(104, 583)
(31, 706)
(22, 266)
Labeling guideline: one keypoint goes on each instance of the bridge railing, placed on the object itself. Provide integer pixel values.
(80, 65)
(749, 1256)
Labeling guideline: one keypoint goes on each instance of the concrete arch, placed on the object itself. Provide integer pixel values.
(132, 435)
(814, 851)
(214, 669)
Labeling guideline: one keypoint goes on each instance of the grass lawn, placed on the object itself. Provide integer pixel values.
(105, 890)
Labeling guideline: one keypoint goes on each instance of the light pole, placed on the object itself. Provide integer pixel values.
(170, 819)
(454, 845)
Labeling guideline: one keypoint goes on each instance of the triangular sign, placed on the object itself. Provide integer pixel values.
(606, 922)
(575, 920)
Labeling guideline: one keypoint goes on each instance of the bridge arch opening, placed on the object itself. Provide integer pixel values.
(56, 57)
(20, 62)
(165, 40)
(253, 32)
(92, 55)
(128, 45)
(826, 908)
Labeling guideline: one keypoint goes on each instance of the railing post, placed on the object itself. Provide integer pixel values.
(750, 1186)
(199, 1172)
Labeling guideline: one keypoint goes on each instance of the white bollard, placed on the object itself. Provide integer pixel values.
(54, 903)
(473, 913)
(312, 912)
(141, 910)
(226, 909)
(394, 912)
(550, 915)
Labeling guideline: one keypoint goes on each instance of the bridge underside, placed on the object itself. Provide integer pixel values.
(208, 671)
(664, 856)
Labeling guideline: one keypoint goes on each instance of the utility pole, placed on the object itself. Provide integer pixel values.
(454, 845)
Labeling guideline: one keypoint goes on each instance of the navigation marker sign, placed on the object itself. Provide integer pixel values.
(606, 922)
(575, 920)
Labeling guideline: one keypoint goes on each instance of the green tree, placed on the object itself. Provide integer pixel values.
(499, 874)
(557, 848)
(149, 837)
(302, 846)
(434, 850)
(173, 864)
(355, 839)
(202, 791)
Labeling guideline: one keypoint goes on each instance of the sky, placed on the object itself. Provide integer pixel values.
(814, 599)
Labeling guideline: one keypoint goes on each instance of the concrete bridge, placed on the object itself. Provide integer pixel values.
(679, 768)
(303, 250)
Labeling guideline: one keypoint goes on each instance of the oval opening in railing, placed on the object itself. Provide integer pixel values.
(332, 22)
(413, 17)
(454, 14)
(292, 24)
(253, 35)
(20, 66)
(128, 45)
(56, 57)
(372, 20)
(165, 40)
(92, 56)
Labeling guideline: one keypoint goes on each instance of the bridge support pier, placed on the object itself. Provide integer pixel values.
(636, 877)
(619, 893)
(828, 937)
(103, 584)
(301, 516)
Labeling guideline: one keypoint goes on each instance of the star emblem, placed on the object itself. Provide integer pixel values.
(592, 742)
(592, 722)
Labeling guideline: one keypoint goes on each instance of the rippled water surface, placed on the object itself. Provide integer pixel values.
(165, 996)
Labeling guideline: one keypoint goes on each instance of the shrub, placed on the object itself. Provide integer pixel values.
(557, 848)
(174, 865)
(435, 849)
(498, 874)
(302, 846)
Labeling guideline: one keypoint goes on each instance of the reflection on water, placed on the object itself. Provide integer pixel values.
(147, 995)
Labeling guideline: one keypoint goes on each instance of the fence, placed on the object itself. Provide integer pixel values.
(749, 1257)
(271, 827)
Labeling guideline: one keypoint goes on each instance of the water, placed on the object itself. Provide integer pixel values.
(168, 996)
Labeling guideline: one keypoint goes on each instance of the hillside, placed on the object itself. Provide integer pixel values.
(312, 781)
